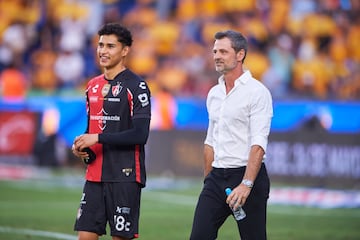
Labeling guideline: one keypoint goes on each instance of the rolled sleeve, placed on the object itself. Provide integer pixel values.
(209, 136)
(260, 141)
(261, 120)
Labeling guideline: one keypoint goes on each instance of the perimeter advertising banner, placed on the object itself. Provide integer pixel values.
(314, 157)
(17, 132)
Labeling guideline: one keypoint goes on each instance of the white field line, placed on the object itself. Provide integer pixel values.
(37, 233)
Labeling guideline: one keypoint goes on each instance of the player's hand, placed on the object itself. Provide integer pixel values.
(238, 196)
(78, 153)
(85, 140)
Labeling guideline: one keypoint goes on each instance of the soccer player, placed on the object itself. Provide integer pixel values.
(118, 111)
(240, 112)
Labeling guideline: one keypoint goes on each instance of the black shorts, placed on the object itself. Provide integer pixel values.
(113, 202)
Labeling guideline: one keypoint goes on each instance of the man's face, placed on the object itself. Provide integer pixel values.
(110, 51)
(224, 56)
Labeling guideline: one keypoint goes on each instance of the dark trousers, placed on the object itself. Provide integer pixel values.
(212, 210)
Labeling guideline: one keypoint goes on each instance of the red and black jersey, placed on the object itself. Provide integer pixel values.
(114, 107)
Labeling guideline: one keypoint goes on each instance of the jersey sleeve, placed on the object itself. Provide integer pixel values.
(141, 101)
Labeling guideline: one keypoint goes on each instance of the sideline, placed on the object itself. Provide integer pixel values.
(37, 233)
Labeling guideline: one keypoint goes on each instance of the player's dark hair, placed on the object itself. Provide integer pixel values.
(122, 33)
(238, 41)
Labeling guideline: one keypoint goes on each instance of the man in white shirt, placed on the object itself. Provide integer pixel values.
(240, 113)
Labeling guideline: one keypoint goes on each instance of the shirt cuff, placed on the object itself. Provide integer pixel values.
(261, 141)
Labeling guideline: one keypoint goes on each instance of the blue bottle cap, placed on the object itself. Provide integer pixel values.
(227, 191)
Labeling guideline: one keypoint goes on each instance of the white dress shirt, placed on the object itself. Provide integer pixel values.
(238, 120)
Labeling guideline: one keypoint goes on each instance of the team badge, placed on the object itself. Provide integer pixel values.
(116, 89)
(127, 171)
(105, 89)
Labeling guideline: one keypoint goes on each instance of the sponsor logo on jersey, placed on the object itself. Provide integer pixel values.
(95, 88)
(102, 117)
(142, 85)
(93, 98)
(105, 89)
(113, 99)
(144, 99)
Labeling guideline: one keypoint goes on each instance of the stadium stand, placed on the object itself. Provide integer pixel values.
(300, 49)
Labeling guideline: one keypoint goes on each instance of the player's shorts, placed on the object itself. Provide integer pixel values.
(113, 202)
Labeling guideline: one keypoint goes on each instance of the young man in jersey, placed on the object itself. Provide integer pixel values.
(118, 109)
(240, 112)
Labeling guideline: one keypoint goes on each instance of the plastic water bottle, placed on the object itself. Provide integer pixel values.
(239, 213)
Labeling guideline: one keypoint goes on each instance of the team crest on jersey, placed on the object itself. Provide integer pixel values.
(105, 89)
(116, 89)
(127, 171)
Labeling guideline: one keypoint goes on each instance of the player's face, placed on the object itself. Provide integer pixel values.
(225, 57)
(111, 53)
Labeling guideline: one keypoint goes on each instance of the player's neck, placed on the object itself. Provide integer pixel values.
(110, 74)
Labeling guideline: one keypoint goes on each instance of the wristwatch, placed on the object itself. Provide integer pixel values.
(247, 183)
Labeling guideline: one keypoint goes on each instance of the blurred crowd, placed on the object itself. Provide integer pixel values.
(299, 49)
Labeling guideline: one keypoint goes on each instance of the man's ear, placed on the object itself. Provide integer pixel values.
(240, 55)
(125, 51)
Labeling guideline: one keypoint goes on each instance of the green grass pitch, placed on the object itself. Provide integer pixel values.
(35, 210)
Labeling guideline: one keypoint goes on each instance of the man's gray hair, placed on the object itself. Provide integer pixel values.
(238, 41)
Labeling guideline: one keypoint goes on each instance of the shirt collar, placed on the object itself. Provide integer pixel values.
(243, 78)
